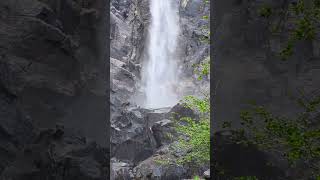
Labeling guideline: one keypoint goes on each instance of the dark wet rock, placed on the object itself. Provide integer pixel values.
(135, 136)
(157, 115)
(131, 136)
(179, 111)
(153, 169)
(139, 141)
(236, 159)
(162, 165)
(163, 132)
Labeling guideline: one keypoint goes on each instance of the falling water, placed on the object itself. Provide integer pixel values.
(160, 71)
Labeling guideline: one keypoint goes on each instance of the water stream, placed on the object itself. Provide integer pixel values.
(159, 73)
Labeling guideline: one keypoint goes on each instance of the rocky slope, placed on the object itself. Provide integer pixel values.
(139, 136)
(52, 90)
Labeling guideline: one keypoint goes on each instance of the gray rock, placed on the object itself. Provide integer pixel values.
(206, 174)
(120, 171)
(179, 111)
(163, 132)
(137, 134)
(153, 169)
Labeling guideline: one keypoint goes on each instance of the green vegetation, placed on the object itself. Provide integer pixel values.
(205, 28)
(246, 178)
(265, 12)
(195, 134)
(196, 178)
(205, 17)
(202, 69)
(306, 15)
(296, 139)
(162, 161)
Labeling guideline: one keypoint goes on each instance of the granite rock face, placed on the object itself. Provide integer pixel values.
(137, 133)
(52, 71)
(129, 21)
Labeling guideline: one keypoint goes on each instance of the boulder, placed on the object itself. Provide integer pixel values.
(153, 168)
(120, 171)
(179, 111)
(163, 132)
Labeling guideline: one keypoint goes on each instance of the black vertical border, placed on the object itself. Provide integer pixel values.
(104, 42)
(103, 45)
(103, 38)
(107, 67)
(212, 81)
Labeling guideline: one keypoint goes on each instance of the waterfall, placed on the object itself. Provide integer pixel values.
(159, 73)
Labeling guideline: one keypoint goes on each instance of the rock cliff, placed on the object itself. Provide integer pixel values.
(138, 135)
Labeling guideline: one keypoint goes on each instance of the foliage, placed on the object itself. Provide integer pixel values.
(296, 139)
(205, 28)
(205, 39)
(196, 139)
(205, 17)
(306, 21)
(196, 178)
(194, 135)
(202, 69)
(307, 18)
(206, 1)
(265, 12)
(199, 105)
(246, 178)
(162, 161)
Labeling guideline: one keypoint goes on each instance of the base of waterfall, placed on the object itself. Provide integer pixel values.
(141, 137)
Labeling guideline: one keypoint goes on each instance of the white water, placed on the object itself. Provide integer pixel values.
(159, 73)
